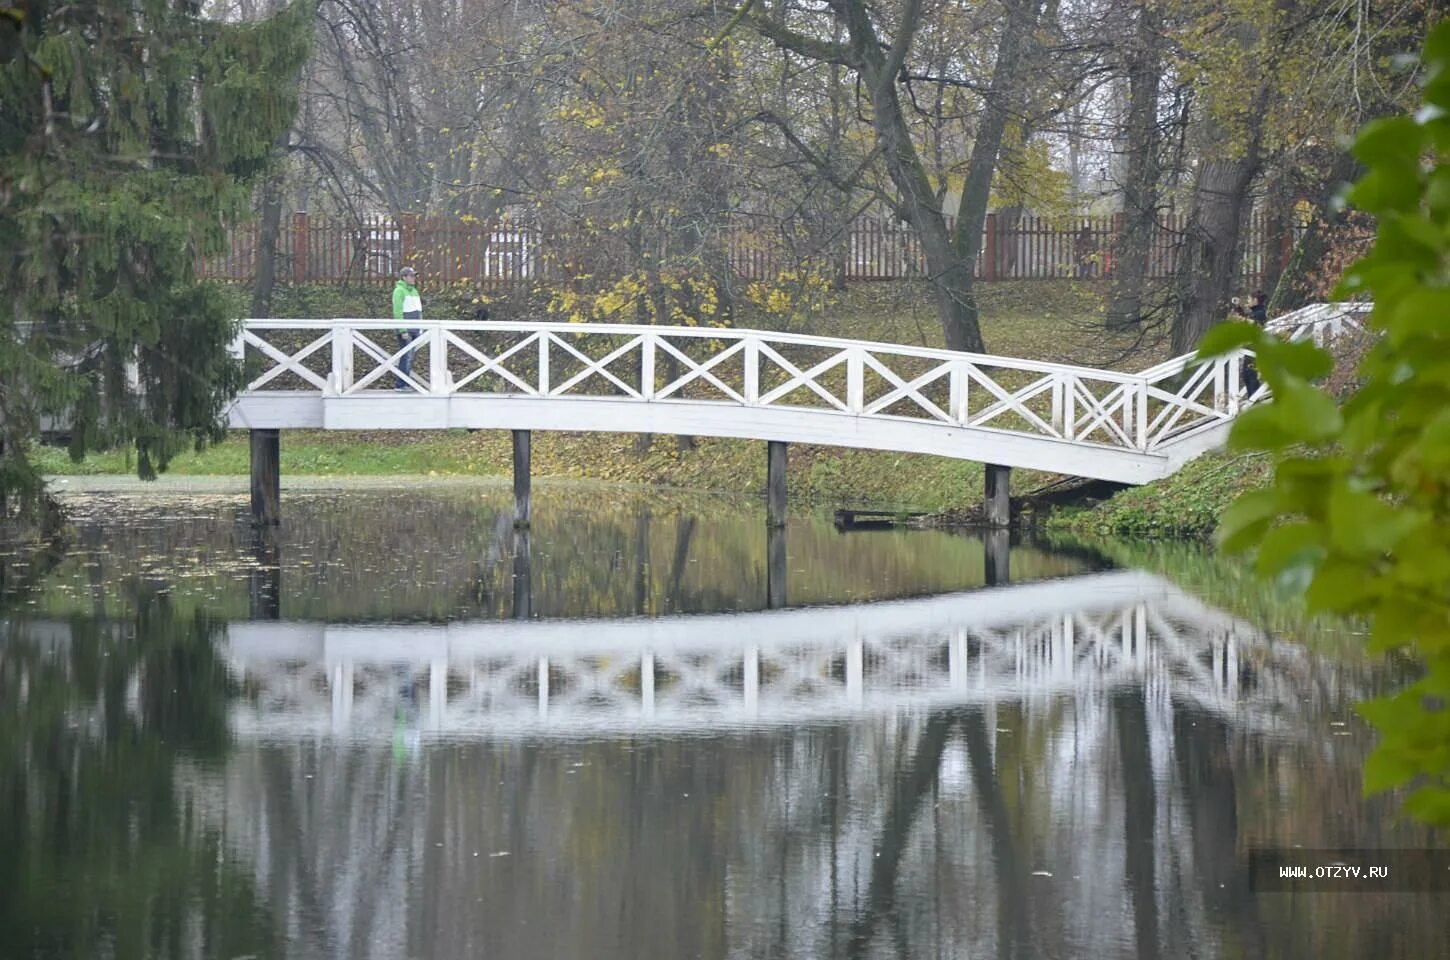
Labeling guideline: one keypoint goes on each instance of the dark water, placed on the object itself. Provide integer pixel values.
(401, 729)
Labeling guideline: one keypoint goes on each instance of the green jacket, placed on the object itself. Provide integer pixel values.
(407, 305)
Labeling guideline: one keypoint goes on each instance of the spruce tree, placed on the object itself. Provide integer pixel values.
(131, 133)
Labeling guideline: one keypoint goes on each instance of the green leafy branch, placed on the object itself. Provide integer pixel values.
(1358, 513)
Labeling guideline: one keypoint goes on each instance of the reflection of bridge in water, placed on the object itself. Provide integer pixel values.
(1037, 763)
(1065, 768)
(703, 672)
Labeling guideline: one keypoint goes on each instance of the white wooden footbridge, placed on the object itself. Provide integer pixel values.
(778, 387)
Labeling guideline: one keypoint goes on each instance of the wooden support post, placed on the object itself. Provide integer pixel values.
(856, 672)
(751, 664)
(265, 579)
(647, 684)
(775, 568)
(437, 692)
(523, 576)
(997, 510)
(266, 477)
(523, 506)
(957, 660)
(775, 484)
(997, 547)
(341, 682)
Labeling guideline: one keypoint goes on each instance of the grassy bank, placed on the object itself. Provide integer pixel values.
(1185, 505)
(816, 473)
(1045, 320)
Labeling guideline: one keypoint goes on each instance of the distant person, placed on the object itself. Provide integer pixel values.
(1259, 308)
(407, 305)
(1258, 312)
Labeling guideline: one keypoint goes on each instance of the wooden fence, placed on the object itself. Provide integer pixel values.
(337, 251)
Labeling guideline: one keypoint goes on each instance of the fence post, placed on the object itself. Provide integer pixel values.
(407, 232)
(299, 247)
(989, 257)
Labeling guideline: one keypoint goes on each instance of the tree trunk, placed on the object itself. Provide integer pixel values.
(948, 269)
(1140, 808)
(838, 223)
(1279, 232)
(907, 798)
(987, 783)
(952, 283)
(264, 280)
(1007, 90)
(1205, 777)
(1140, 185)
(1298, 283)
(1209, 262)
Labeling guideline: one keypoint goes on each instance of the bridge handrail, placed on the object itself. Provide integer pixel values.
(1319, 320)
(698, 333)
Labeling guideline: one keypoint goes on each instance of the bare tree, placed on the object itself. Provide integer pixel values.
(877, 52)
(1230, 140)
(1143, 61)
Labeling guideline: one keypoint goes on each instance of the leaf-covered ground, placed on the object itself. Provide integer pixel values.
(1187, 504)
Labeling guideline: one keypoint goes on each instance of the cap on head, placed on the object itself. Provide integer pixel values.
(407, 272)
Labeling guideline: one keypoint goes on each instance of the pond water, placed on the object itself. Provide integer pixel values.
(397, 727)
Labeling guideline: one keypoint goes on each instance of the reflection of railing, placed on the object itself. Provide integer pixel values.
(682, 673)
(873, 389)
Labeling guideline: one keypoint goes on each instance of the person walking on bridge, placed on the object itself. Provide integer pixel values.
(407, 305)
(1258, 312)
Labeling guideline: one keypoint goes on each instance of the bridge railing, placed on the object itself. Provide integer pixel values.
(1182, 396)
(750, 369)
